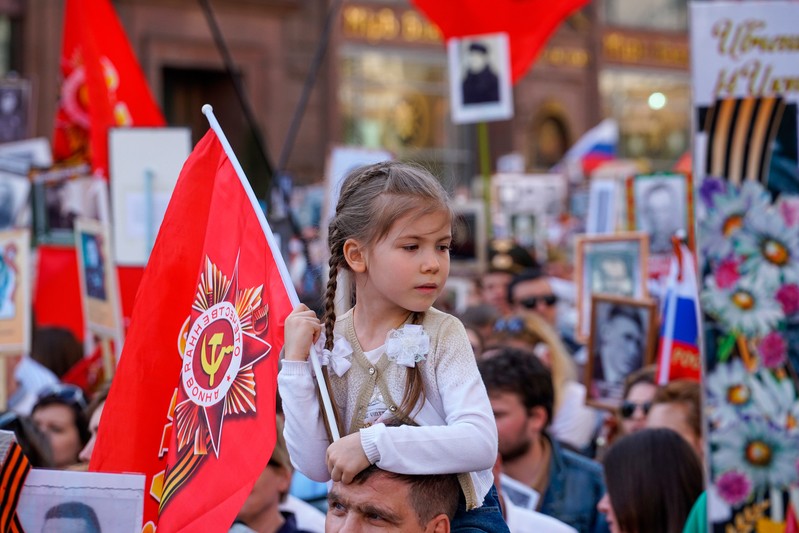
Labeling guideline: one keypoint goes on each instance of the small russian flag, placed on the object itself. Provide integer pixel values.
(597, 145)
(678, 349)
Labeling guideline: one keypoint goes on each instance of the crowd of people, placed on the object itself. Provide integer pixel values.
(476, 421)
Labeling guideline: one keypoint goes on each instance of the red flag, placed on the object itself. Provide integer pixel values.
(192, 405)
(103, 85)
(528, 23)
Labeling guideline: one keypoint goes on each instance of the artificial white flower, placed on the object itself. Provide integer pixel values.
(729, 393)
(770, 248)
(744, 307)
(408, 345)
(339, 358)
(774, 397)
(727, 215)
(762, 451)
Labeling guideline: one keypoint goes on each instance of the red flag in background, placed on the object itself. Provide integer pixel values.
(529, 23)
(193, 402)
(103, 85)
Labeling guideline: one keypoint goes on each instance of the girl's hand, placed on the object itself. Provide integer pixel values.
(346, 458)
(301, 331)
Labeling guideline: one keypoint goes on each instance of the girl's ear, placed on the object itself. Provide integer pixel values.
(354, 255)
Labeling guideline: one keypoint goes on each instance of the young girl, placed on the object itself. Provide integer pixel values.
(403, 375)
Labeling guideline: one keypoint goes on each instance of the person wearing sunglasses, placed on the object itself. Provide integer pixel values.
(531, 291)
(573, 422)
(59, 414)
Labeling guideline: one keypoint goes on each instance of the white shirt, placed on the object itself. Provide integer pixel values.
(522, 520)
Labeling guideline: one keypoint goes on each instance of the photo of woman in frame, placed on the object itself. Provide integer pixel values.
(622, 340)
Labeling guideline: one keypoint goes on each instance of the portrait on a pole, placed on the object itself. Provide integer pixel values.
(480, 78)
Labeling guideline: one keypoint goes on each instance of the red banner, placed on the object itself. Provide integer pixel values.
(193, 403)
(528, 23)
(103, 85)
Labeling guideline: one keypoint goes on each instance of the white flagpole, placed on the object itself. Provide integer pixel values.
(208, 111)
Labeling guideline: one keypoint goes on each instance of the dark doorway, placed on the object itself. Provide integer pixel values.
(187, 90)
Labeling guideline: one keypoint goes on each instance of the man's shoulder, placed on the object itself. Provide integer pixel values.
(574, 462)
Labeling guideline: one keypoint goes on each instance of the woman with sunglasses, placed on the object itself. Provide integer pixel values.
(573, 423)
(59, 414)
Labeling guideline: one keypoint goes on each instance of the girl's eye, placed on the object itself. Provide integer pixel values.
(410, 247)
(445, 247)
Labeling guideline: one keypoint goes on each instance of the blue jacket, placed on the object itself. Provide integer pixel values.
(575, 487)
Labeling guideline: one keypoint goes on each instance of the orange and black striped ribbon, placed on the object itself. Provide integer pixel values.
(12, 477)
(740, 136)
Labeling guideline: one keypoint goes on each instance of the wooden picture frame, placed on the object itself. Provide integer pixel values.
(660, 205)
(609, 264)
(469, 252)
(615, 322)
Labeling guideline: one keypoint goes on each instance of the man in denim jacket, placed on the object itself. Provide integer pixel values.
(521, 393)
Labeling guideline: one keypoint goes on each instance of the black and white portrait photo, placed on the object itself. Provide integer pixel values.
(480, 78)
(93, 265)
(613, 265)
(14, 195)
(14, 98)
(61, 199)
(55, 501)
(660, 209)
(621, 342)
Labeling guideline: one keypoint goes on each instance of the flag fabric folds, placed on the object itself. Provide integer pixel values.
(103, 85)
(678, 349)
(192, 405)
(528, 23)
(596, 146)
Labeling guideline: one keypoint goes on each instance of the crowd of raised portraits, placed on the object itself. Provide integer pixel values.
(429, 433)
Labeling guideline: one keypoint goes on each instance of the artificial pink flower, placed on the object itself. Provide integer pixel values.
(788, 296)
(772, 349)
(789, 210)
(734, 487)
(727, 273)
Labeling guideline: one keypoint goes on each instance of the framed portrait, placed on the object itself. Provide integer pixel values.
(99, 502)
(144, 165)
(61, 196)
(661, 205)
(15, 190)
(602, 207)
(480, 78)
(15, 109)
(530, 193)
(609, 264)
(98, 283)
(15, 289)
(623, 339)
(470, 248)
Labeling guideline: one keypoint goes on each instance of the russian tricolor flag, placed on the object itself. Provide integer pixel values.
(597, 145)
(678, 349)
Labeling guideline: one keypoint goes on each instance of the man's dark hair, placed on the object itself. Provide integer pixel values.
(519, 372)
(478, 47)
(430, 495)
(528, 274)
(76, 510)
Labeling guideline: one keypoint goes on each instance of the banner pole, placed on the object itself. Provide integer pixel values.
(324, 392)
(484, 150)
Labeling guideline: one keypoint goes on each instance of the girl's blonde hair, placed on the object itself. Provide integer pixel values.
(534, 331)
(372, 198)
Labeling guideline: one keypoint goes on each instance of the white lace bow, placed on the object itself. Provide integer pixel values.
(408, 345)
(339, 358)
